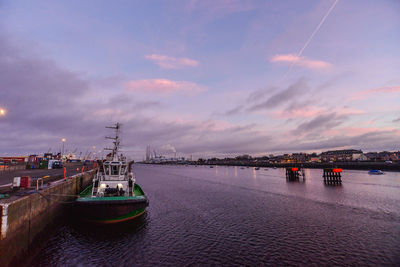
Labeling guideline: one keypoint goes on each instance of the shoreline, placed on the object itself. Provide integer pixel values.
(344, 165)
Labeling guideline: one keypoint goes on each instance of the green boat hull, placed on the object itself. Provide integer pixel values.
(111, 209)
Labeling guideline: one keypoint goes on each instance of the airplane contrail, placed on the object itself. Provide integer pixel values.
(311, 37)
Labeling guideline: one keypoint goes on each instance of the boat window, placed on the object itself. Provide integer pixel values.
(123, 170)
(114, 170)
(106, 169)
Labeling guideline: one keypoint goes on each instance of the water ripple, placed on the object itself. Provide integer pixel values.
(205, 220)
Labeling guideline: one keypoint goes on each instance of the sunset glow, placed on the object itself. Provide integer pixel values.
(209, 78)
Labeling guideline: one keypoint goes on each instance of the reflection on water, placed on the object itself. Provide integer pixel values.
(234, 216)
(110, 232)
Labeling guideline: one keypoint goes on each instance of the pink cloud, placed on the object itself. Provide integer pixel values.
(312, 112)
(164, 86)
(306, 112)
(301, 61)
(349, 111)
(379, 90)
(167, 62)
(356, 131)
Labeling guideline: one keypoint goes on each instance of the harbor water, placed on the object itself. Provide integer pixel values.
(233, 216)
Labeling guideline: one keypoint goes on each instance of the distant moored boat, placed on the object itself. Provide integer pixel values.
(376, 172)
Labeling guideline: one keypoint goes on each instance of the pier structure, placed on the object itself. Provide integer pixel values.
(26, 220)
(294, 174)
(332, 176)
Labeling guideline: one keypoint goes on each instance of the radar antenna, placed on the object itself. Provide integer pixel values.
(116, 142)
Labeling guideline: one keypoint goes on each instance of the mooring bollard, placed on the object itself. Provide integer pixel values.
(37, 183)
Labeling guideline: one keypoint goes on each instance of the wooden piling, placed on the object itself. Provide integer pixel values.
(293, 174)
(332, 176)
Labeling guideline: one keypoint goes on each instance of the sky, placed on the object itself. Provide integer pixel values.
(200, 77)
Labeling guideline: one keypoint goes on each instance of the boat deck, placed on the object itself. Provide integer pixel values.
(86, 195)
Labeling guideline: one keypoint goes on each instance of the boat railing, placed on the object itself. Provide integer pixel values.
(114, 178)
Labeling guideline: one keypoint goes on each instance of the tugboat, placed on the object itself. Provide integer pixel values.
(114, 196)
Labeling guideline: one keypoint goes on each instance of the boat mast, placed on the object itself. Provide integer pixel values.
(116, 142)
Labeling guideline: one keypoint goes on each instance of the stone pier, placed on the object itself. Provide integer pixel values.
(24, 220)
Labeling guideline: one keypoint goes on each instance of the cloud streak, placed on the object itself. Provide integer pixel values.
(300, 53)
(299, 112)
(380, 90)
(385, 140)
(301, 61)
(164, 86)
(167, 62)
(280, 97)
(322, 122)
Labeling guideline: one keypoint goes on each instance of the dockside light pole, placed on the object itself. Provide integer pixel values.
(63, 142)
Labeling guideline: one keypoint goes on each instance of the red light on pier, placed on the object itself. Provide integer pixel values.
(337, 170)
(295, 169)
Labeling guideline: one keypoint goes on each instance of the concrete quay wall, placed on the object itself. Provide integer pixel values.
(24, 220)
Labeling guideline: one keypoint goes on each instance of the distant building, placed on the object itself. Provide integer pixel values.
(359, 157)
(342, 155)
(243, 157)
(383, 156)
(148, 153)
(315, 159)
(372, 156)
(300, 157)
(263, 159)
(277, 159)
(386, 155)
(14, 159)
(287, 158)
